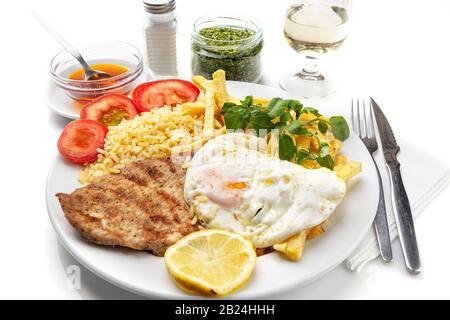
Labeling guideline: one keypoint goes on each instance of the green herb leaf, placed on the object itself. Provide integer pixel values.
(287, 148)
(227, 106)
(248, 102)
(303, 155)
(323, 126)
(326, 162)
(339, 127)
(324, 149)
(261, 120)
(294, 105)
(277, 108)
(237, 117)
(280, 125)
(296, 128)
(311, 110)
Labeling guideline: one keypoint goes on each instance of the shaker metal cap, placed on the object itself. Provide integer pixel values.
(159, 6)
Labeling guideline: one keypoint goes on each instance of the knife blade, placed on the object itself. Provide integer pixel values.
(400, 201)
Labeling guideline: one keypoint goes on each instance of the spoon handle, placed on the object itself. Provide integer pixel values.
(58, 37)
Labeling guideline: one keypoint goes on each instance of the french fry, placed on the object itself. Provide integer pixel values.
(193, 108)
(348, 170)
(220, 88)
(210, 110)
(272, 146)
(201, 83)
(340, 160)
(335, 147)
(303, 142)
(293, 247)
(187, 148)
(261, 101)
(315, 232)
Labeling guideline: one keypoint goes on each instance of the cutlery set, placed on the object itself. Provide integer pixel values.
(363, 121)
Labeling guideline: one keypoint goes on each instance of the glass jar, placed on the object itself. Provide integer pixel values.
(231, 44)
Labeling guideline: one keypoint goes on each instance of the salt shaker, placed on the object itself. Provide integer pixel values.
(160, 38)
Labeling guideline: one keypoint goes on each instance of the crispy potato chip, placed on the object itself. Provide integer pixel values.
(293, 247)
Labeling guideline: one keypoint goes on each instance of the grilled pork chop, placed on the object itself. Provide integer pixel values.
(142, 208)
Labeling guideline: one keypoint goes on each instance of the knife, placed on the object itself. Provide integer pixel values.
(400, 202)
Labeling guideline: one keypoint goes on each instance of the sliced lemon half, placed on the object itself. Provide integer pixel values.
(211, 262)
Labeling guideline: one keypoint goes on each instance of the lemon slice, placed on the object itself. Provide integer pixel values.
(211, 262)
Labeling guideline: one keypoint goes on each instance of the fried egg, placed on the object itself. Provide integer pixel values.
(232, 184)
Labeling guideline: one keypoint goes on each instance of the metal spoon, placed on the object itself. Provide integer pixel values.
(89, 73)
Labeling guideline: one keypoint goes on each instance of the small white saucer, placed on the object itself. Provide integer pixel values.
(60, 103)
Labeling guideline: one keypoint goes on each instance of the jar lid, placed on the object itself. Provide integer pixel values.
(159, 6)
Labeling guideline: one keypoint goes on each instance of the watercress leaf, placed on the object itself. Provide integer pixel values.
(294, 105)
(261, 120)
(303, 155)
(277, 108)
(323, 126)
(248, 102)
(326, 162)
(339, 127)
(311, 110)
(274, 102)
(280, 125)
(237, 118)
(285, 117)
(324, 149)
(227, 106)
(287, 149)
(295, 127)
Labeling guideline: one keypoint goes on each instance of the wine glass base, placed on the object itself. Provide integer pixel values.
(308, 87)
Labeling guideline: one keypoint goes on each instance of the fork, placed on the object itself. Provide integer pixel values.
(364, 127)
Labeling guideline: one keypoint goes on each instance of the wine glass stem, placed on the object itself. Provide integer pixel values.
(310, 69)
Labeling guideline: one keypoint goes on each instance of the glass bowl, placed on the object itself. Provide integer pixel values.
(111, 52)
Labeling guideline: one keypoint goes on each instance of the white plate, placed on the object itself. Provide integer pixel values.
(146, 274)
(60, 103)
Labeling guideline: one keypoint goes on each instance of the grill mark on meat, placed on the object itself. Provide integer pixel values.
(160, 218)
(171, 165)
(133, 177)
(154, 173)
(167, 197)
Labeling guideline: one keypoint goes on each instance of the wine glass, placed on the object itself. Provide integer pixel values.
(312, 28)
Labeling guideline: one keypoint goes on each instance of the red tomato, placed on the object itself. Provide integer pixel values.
(161, 93)
(80, 140)
(109, 109)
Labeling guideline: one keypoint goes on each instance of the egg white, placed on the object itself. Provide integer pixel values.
(233, 184)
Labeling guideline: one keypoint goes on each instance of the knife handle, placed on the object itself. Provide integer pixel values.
(381, 224)
(404, 220)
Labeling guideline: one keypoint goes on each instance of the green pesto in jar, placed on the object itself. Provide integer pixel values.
(236, 50)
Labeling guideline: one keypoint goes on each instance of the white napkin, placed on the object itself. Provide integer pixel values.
(422, 187)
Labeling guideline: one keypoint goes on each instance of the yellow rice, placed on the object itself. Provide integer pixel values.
(153, 134)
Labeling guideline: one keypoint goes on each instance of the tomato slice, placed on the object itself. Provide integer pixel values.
(80, 140)
(161, 93)
(109, 109)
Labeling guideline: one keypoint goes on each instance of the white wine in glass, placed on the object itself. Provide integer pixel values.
(312, 28)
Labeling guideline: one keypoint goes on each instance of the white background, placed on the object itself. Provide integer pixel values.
(397, 51)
